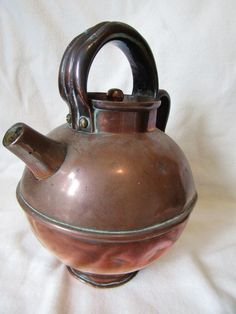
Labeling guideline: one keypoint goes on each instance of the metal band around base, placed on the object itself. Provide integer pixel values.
(115, 280)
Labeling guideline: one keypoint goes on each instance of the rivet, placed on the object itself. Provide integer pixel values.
(68, 118)
(83, 122)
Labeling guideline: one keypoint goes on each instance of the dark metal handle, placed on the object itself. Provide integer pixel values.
(164, 110)
(78, 57)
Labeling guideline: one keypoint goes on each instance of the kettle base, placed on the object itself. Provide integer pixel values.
(101, 281)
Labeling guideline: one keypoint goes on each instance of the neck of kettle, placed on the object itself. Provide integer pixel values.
(128, 114)
(42, 155)
(125, 122)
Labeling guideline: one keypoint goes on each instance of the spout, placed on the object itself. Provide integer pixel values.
(42, 155)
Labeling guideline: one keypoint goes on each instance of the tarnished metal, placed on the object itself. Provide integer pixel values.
(42, 155)
(109, 191)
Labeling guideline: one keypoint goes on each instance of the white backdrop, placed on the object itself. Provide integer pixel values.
(194, 43)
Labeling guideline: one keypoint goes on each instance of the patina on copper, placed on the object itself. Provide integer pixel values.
(42, 155)
(109, 191)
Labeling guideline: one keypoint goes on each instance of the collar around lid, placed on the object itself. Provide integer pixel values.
(115, 112)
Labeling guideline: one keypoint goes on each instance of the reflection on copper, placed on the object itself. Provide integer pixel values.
(74, 184)
(120, 170)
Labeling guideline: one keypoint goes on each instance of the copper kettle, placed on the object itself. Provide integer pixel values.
(108, 192)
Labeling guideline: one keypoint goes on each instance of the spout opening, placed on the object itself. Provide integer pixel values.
(13, 134)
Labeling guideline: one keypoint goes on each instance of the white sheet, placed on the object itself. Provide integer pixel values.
(194, 43)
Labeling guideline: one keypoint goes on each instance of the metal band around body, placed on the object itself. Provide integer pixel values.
(110, 235)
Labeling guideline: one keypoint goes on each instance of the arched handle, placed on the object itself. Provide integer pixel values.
(78, 57)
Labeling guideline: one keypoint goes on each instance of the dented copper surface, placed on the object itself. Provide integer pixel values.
(109, 191)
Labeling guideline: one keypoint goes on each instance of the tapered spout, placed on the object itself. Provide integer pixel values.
(42, 155)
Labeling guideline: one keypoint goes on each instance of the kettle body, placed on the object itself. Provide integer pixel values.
(109, 191)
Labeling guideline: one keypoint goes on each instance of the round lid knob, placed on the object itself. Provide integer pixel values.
(115, 94)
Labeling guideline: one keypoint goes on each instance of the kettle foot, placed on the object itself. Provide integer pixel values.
(101, 281)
